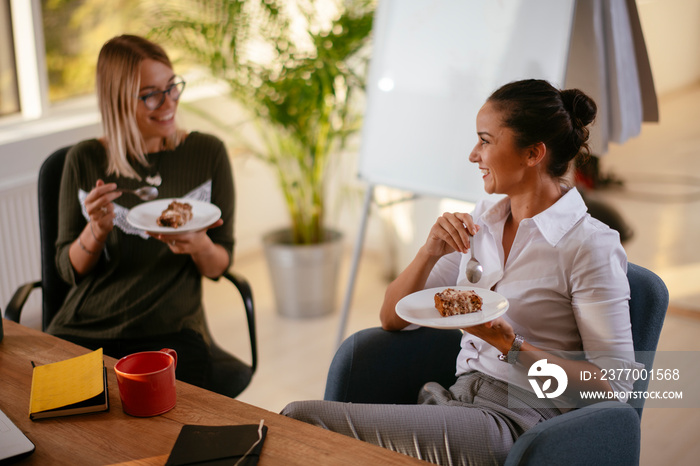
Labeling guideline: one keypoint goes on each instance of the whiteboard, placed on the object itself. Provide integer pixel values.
(433, 64)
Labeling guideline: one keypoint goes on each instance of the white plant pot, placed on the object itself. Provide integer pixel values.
(304, 277)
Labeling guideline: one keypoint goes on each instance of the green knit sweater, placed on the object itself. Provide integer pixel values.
(139, 288)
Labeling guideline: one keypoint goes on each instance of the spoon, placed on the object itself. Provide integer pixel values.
(145, 193)
(474, 268)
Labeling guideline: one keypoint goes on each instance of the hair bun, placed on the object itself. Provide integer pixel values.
(581, 107)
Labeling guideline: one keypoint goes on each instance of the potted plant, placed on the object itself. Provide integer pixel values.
(302, 91)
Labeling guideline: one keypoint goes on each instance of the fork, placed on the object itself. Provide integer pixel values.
(145, 193)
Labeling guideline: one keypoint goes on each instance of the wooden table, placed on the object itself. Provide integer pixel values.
(116, 438)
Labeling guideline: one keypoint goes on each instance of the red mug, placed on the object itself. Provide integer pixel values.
(147, 382)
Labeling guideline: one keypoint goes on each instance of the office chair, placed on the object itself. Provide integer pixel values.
(377, 366)
(229, 376)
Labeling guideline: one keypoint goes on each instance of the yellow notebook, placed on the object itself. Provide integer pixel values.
(74, 386)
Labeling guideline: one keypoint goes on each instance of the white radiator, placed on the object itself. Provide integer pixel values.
(20, 259)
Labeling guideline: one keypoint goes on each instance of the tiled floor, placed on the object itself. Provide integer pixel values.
(661, 202)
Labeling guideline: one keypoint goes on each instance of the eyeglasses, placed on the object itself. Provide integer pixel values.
(153, 100)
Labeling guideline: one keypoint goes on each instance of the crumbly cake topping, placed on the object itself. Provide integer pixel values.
(451, 302)
(176, 215)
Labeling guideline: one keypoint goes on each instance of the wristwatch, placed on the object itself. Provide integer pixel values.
(512, 356)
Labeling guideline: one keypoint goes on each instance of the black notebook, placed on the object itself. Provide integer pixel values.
(218, 445)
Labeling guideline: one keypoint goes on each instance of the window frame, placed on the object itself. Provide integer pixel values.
(30, 58)
(9, 93)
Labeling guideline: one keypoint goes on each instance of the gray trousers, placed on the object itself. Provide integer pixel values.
(475, 422)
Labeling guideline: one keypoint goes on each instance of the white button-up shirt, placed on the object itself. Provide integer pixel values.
(565, 280)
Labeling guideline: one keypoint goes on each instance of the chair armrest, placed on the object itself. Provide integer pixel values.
(14, 307)
(603, 433)
(378, 366)
(247, 295)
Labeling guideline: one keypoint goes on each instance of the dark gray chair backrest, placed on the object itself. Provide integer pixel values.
(54, 289)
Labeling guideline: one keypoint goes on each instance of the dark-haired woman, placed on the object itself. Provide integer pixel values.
(563, 272)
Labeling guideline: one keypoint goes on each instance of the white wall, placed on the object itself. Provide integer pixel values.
(672, 34)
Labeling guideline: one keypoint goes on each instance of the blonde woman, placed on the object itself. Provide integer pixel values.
(132, 291)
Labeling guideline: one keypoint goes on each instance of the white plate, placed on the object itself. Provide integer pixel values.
(144, 216)
(419, 308)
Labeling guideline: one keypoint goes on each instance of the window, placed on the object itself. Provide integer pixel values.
(74, 31)
(34, 74)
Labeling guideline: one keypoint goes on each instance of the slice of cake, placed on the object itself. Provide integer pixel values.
(176, 215)
(451, 302)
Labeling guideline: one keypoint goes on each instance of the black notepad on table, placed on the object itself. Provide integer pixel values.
(217, 445)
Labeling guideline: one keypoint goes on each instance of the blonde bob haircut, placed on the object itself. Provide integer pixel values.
(118, 84)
